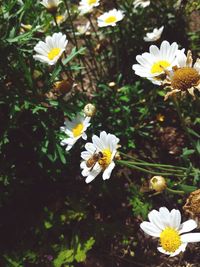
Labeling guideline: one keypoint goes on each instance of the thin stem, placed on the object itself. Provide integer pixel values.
(148, 171)
(179, 192)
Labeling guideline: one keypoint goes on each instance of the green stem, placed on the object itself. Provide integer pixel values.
(148, 171)
(179, 192)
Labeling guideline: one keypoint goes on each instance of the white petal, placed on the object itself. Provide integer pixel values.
(150, 229)
(108, 170)
(192, 237)
(90, 148)
(84, 136)
(175, 219)
(156, 219)
(187, 226)
(160, 249)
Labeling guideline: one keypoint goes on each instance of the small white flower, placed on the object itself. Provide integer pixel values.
(142, 3)
(86, 6)
(51, 4)
(110, 18)
(154, 35)
(60, 18)
(74, 129)
(167, 226)
(51, 50)
(152, 65)
(99, 156)
(82, 29)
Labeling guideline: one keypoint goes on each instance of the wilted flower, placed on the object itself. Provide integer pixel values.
(51, 5)
(158, 183)
(192, 205)
(99, 156)
(86, 6)
(74, 129)
(142, 3)
(51, 50)
(185, 76)
(153, 65)
(154, 35)
(168, 228)
(89, 110)
(110, 18)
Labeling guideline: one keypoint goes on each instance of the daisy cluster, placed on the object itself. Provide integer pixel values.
(166, 66)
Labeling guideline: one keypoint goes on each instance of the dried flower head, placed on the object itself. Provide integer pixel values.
(192, 205)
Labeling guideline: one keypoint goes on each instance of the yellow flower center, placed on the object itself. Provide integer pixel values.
(170, 240)
(53, 53)
(185, 78)
(106, 159)
(159, 66)
(111, 19)
(59, 18)
(77, 130)
(91, 2)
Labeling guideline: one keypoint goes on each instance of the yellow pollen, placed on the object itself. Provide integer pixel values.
(106, 159)
(185, 78)
(170, 240)
(91, 2)
(111, 19)
(53, 53)
(159, 66)
(77, 130)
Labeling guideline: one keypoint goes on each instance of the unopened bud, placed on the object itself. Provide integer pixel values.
(89, 110)
(158, 183)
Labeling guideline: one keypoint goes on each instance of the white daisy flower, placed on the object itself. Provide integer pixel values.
(86, 6)
(141, 3)
(99, 156)
(152, 65)
(74, 129)
(60, 18)
(51, 5)
(110, 18)
(185, 76)
(167, 226)
(154, 35)
(51, 50)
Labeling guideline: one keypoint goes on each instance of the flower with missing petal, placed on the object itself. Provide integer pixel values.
(154, 35)
(51, 5)
(99, 156)
(74, 129)
(184, 77)
(166, 225)
(86, 6)
(141, 3)
(51, 50)
(153, 65)
(110, 18)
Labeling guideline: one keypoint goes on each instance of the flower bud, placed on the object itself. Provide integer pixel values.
(158, 183)
(89, 110)
(111, 84)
